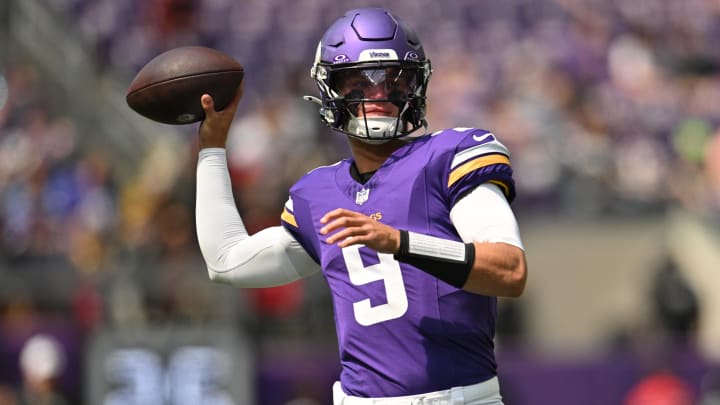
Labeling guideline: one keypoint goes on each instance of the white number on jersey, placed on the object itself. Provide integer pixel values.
(387, 270)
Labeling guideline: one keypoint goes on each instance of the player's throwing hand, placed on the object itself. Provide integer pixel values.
(214, 128)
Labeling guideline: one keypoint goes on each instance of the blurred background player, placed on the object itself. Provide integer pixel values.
(413, 234)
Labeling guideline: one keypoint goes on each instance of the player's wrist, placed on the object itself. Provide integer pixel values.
(397, 241)
(211, 144)
(210, 140)
(403, 244)
(448, 260)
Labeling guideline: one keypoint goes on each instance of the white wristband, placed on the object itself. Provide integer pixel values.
(445, 249)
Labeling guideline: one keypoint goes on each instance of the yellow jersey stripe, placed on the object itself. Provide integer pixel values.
(289, 218)
(503, 186)
(475, 164)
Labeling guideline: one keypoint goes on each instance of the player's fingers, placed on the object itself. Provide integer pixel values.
(208, 104)
(345, 237)
(338, 212)
(358, 232)
(334, 225)
(344, 221)
(367, 236)
(345, 233)
(214, 128)
(331, 215)
(350, 240)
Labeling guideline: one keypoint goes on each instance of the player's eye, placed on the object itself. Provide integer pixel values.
(403, 80)
(360, 83)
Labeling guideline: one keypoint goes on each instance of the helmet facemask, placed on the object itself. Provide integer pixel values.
(376, 101)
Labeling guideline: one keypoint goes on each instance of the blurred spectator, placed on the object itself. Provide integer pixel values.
(662, 388)
(675, 304)
(586, 94)
(42, 361)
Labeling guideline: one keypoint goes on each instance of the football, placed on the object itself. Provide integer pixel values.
(168, 88)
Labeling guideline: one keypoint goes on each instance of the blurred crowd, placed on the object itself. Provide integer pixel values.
(609, 108)
(606, 105)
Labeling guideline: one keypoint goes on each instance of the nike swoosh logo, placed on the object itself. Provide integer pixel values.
(484, 137)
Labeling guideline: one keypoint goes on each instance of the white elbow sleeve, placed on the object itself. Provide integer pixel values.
(267, 258)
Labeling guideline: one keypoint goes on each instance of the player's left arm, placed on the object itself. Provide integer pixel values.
(489, 261)
(499, 266)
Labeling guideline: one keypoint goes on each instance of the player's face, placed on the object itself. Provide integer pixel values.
(384, 90)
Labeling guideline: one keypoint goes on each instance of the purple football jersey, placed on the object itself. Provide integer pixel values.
(400, 330)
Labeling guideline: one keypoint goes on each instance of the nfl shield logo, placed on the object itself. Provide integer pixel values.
(362, 196)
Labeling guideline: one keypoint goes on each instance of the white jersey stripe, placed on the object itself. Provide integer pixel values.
(486, 148)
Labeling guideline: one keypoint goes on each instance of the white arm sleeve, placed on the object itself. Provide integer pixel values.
(484, 215)
(268, 258)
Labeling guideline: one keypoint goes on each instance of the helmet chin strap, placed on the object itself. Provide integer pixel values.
(373, 141)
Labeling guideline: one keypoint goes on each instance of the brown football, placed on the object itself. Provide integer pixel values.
(168, 88)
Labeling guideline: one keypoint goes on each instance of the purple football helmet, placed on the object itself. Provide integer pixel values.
(372, 74)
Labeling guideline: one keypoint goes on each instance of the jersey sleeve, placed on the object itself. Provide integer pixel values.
(478, 158)
(297, 220)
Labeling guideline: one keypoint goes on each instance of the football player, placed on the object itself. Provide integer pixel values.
(413, 233)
